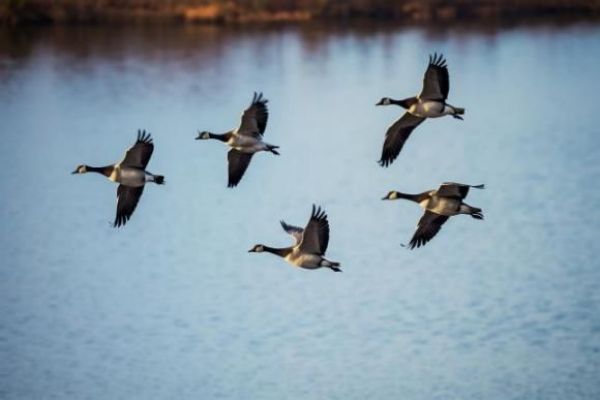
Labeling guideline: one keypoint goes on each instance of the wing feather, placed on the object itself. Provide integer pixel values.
(436, 82)
(139, 154)
(237, 164)
(255, 117)
(456, 190)
(316, 234)
(295, 231)
(396, 136)
(429, 225)
(127, 200)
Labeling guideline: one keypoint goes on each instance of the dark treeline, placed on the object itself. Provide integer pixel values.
(60, 11)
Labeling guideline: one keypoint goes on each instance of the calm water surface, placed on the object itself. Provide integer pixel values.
(173, 307)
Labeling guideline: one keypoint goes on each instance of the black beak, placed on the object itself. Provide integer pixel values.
(74, 172)
(251, 251)
(380, 103)
(385, 198)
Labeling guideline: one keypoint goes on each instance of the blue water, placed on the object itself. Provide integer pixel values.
(173, 307)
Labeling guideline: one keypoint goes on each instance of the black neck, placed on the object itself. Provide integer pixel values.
(223, 137)
(107, 170)
(404, 103)
(417, 198)
(281, 252)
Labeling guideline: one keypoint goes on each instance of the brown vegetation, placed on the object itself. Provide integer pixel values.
(285, 10)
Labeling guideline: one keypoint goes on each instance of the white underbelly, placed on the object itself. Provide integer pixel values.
(251, 149)
(427, 109)
(442, 206)
(129, 177)
(308, 261)
(246, 144)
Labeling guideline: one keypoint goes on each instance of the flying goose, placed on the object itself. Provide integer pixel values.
(439, 205)
(131, 175)
(431, 103)
(246, 139)
(310, 243)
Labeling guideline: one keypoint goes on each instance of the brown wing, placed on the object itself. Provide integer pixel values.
(238, 163)
(316, 234)
(139, 154)
(456, 190)
(429, 225)
(127, 200)
(254, 118)
(395, 137)
(436, 82)
(295, 231)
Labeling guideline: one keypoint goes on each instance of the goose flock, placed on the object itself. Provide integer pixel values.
(310, 242)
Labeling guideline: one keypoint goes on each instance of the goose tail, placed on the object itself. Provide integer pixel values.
(158, 179)
(457, 112)
(272, 148)
(334, 266)
(476, 213)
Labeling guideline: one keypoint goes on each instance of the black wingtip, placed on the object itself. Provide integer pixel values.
(437, 60)
(143, 136)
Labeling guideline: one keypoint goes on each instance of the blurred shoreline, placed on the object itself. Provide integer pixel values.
(15, 12)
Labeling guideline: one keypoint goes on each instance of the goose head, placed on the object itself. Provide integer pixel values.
(203, 135)
(393, 195)
(258, 248)
(385, 101)
(81, 169)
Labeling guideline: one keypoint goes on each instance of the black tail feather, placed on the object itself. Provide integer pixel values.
(477, 213)
(272, 148)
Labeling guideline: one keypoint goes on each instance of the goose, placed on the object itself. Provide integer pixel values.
(245, 140)
(431, 103)
(310, 243)
(439, 205)
(131, 174)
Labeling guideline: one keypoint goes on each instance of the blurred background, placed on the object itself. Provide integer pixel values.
(173, 306)
(288, 10)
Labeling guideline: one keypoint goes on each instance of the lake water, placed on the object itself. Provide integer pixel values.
(173, 307)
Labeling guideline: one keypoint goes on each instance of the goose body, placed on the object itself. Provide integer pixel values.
(439, 205)
(430, 103)
(431, 109)
(245, 140)
(310, 244)
(131, 175)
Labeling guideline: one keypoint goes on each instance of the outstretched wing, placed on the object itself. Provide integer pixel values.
(316, 233)
(238, 163)
(139, 154)
(456, 190)
(436, 82)
(295, 231)
(127, 200)
(395, 137)
(254, 118)
(429, 225)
